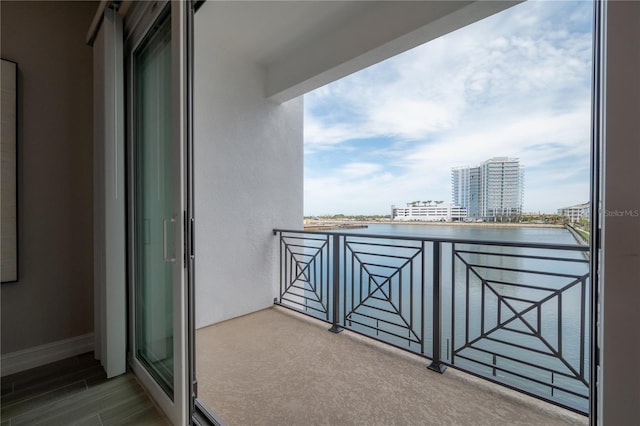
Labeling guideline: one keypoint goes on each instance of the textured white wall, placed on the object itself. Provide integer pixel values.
(248, 180)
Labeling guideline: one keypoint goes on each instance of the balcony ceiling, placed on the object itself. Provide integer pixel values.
(305, 44)
(266, 31)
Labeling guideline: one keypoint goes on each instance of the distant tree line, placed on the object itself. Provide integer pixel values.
(554, 219)
(424, 203)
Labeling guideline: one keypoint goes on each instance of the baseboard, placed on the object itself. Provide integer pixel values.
(25, 359)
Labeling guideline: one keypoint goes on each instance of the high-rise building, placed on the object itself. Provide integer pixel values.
(465, 183)
(493, 189)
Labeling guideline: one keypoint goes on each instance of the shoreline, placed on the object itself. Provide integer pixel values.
(417, 223)
(579, 238)
(331, 227)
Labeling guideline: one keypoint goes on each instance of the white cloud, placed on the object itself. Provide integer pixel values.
(359, 170)
(516, 84)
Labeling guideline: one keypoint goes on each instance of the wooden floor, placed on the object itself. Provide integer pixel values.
(75, 391)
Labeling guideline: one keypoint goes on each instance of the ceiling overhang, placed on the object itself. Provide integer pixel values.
(304, 45)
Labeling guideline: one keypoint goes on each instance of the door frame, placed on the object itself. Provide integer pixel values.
(199, 413)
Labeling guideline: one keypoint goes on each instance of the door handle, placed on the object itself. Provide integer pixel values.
(164, 240)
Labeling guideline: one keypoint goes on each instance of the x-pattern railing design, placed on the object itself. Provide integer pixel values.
(375, 300)
(513, 313)
(542, 365)
(305, 274)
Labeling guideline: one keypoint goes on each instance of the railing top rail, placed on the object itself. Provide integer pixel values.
(549, 246)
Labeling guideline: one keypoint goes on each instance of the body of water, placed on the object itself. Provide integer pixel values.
(471, 232)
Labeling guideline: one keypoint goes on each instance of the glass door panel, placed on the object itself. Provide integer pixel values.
(154, 218)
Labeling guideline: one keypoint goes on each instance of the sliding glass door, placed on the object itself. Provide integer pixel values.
(154, 215)
(157, 187)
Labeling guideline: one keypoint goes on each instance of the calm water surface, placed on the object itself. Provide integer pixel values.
(470, 232)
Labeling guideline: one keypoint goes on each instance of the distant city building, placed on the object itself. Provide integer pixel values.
(575, 213)
(494, 189)
(429, 213)
(465, 183)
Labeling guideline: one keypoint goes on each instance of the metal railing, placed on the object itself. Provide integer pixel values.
(513, 313)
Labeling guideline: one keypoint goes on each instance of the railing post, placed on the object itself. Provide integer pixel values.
(437, 329)
(335, 328)
(278, 300)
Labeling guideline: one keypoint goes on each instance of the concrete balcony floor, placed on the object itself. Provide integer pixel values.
(277, 367)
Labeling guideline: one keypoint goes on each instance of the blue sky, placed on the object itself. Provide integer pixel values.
(516, 84)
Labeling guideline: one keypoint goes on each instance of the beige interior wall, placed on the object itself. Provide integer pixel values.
(54, 298)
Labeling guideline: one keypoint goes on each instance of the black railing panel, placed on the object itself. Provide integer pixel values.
(518, 317)
(513, 313)
(383, 290)
(304, 274)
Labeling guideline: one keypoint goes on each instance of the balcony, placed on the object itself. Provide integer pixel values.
(277, 367)
(509, 320)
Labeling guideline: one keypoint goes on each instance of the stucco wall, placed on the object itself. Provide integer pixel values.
(248, 180)
(620, 299)
(54, 298)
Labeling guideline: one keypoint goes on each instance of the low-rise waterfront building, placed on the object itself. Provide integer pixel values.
(429, 213)
(575, 213)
